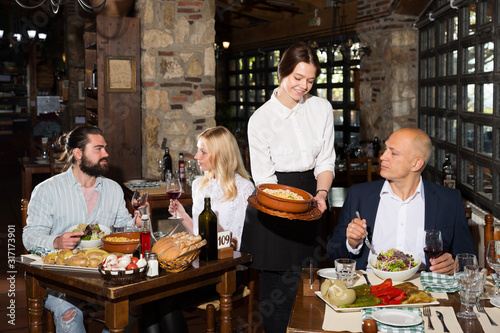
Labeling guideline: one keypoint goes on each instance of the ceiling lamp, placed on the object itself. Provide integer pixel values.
(54, 4)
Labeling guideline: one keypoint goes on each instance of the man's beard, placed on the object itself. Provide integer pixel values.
(91, 169)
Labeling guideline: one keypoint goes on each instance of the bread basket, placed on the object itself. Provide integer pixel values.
(180, 263)
(123, 277)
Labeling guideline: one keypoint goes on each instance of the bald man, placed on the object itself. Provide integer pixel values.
(397, 209)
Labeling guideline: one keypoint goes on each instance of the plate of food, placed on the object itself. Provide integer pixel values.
(92, 234)
(394, 264)
(397, 317)
(495, 302)
(342, 299)
(71, 260)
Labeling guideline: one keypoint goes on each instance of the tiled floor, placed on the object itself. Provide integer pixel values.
(10, 198)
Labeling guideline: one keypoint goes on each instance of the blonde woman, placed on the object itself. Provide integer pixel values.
(225, 182)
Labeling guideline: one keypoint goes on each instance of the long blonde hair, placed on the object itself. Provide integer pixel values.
(225, 158)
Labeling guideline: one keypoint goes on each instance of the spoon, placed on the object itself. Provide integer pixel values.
(367, 241)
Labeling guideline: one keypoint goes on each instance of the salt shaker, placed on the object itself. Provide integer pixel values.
(152, 265)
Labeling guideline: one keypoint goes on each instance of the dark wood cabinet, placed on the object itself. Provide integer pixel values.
(112, 47)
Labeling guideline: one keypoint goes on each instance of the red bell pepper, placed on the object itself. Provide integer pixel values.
(391, 295)
(383, 285)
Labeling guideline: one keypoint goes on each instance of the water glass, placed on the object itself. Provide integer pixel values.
(472, 295)
(346, 270)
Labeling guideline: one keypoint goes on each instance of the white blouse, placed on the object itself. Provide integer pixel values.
(230, 214)
(291, 140)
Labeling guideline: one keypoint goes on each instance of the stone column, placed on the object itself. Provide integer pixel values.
(178, 76)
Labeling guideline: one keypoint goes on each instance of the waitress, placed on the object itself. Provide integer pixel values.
(291, 140)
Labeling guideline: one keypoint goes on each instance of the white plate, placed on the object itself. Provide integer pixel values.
(328, 273)
(136, 181)
(495, 302)
(90, 244)
(396, 317)
(37, 261)
(336, 308)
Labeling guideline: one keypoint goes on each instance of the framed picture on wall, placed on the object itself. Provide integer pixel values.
(120, 74)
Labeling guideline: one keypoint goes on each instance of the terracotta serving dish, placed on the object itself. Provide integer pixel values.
(121, 247)
(282, 204)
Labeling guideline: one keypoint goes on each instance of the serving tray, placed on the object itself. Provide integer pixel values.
(310, 215)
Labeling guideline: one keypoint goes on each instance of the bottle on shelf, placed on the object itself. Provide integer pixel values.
(182, 168)
(94, 77)
(207, 224)
(167, 164)
(448, 176)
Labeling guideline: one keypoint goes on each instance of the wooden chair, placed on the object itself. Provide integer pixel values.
(489, 234)
(361, 169)
(54, 155)
(244, 295)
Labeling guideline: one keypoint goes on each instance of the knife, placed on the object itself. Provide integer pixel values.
(440, 316)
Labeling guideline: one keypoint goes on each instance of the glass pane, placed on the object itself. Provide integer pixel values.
(431, 42)
(423, 39)
(441, 97)
(423, 96)
(260, 79)
(339, 139)
(322, 55)
(355, 118)
(251, 79)
(354, 51)
(351, 94)
(323, 76)
(274, 58)
(261, 62)
(486, 11)
(241, 80)
(486, 136)
(232, 80)
(241, 112)
(337, 94)
(232, 95)
(251, 96)
(432, 159)
(453, 97)
(470, 60)
(273, 78)
(322, 92)
(232, 111)
(452, 131)
(467, 173)
(431, 67)
(354, 140)
(469, 95)
(423, 69)
(251, 110)
(232, 64)
(487, 99)
(337, 55)
(337, 75)
(241, 96)
(338, 117)
(431, 126)
(261, 95)
(441, 130)
(422, 123)
(469, 135)
(431, 97)
(443, 32)
(251, 63)
(440, 158)
(486, 182)
(472, 18)
(488, 56)
(442, 65)
(240, 64)
(453, 63)
(454, 28)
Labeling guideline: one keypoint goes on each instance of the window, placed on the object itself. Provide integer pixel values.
(458, 104)
(253, 76)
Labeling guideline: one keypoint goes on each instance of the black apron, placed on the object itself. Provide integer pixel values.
(281, 244)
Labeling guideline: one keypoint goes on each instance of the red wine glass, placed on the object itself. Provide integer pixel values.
(433, 245)
(174, 191)
(139, 198)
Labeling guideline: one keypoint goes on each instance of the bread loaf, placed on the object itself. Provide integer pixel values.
(169, 248)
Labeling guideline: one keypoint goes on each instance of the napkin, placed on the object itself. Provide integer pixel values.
(485, 322)
(367, 313)
(143, 185)
(438, 282)
(450, 319)
(341, 321)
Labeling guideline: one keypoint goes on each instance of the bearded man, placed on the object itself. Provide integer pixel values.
(79, 195)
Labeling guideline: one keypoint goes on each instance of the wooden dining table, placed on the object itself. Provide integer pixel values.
(309, 311)
(117, 299)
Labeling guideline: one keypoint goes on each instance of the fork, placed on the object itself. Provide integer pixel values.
(427, 313)
(367, 241)
(480, 308)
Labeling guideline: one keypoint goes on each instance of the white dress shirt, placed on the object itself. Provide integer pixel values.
(399, 224)
(291, 140)
(230, 214)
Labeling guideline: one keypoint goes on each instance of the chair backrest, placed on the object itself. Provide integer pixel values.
(361, 169)
(24, 214)
(54, 166)
(489, 234)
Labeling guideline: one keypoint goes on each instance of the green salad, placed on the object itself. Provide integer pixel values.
(394, 261)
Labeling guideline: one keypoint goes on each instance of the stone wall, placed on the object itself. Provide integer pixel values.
(178, 76)
(388, 76)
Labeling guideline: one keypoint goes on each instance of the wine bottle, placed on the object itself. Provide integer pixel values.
(207, 224)
(167, 163)
(182, 168)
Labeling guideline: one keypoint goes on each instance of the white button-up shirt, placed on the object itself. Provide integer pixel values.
(291, 140)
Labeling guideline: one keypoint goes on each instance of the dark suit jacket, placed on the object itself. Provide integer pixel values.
(444, 210)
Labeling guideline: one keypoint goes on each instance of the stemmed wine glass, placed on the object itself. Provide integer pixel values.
(174, 190)
(190, 168)
(466, 274)
(161, 168)
(433, 244)
(139, 198)
(493, 259)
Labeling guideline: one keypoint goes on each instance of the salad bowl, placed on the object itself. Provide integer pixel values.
(395, 276)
